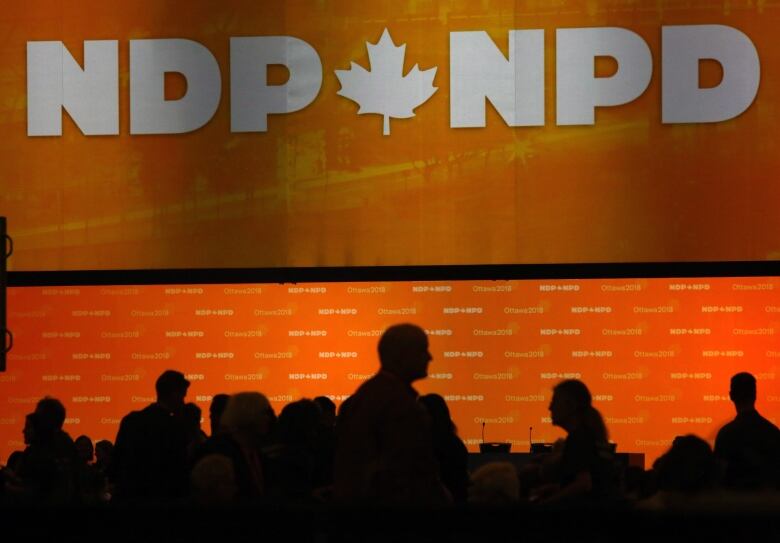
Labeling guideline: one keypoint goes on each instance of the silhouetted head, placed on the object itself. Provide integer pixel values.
(29, 428)
(50, 416)
(103, 450)
(171, 387)
(217, 407)
(299, 423)
(403, 351)
(688, 466)
(743, 390)
(247, 415)
(571, 407)
(437, 409)
(192, 414)
(571, 399)
(327, 410)
(84, 449)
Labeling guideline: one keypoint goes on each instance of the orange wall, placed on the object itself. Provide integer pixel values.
(657, 354)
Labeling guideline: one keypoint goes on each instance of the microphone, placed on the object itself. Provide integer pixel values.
(483, 431)
(530, 441)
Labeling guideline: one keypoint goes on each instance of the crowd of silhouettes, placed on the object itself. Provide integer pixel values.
(386, 446)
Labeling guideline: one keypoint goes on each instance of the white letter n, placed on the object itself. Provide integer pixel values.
(55, 81)
(479, 72)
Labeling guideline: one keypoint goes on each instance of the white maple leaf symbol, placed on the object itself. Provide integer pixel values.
(384, 89)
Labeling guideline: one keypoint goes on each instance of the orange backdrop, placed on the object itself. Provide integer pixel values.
(324, 187)
(657, 354)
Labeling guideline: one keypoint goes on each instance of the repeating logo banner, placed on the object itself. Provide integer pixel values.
(657, 354)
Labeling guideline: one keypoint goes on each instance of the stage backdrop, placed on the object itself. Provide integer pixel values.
(150, 134)
(657, 354)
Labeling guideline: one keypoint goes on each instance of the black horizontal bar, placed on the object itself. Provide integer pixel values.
(395, 273)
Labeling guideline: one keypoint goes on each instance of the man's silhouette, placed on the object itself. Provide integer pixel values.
(750, 444)
(150, 452)
(46, 469)
(384, 453)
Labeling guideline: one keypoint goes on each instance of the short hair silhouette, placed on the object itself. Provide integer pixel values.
(50, 414)
(218, 404)
(325, 404)
(396, 340)
(299, 422)
(170, 382)
(403, 351)
(743, 388)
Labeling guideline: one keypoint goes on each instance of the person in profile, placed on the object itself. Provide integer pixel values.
(195, 435)
(451, 453)
(384, 449)
(90, 482)
(150, 450)
(749, 445)
(583, 468)
(46, 470)
(327, 410)
(104, 450)
(217, 407)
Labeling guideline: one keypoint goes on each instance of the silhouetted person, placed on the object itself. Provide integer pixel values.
(15, 459)
(85, 451)
(104, 450)
(327, 409)
(28, 432)
(584, 471)
(750, 444)
(50, 415)
(244, 428)
(298, 464)
(90, 481)
(327, 446)
(150, 452)
(217, 407)
(451, 454)
(384, 451)
(687, 467)
(47, 468)
(195, 436)
(683, 475)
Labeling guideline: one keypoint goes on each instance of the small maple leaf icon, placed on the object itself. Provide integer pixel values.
(385, 90)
